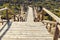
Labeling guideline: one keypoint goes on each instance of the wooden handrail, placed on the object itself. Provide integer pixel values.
(8, 13)
(56, 33)
(3, 9)
(52, 15)
(47, 21)
(13, 14)
(7, 9)
(2, 21)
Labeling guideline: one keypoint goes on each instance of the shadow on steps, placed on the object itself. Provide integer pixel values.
(5, 31)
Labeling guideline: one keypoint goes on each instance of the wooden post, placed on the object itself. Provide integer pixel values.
(42, 15)
(2, 21)
(47, 25)
(50, 27)
(56, 34)
(19, 14)
(14, 18)
(18, 19)
(7, 15)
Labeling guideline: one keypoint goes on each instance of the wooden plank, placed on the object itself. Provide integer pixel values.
(47, 21)
(3, 9)
(2, 21)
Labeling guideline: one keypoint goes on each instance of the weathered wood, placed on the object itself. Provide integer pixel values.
(52, 15)
(13, 14)
(14, 18)
(3, 9)
(46, 25)
(27, 31)
(47, 21)
(56, 34)
(50, 27)
(18, 19)
(7, 16)
(42, 12)
(2, 21)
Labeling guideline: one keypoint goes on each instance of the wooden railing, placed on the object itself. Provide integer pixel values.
(51, 23)
(7, 15)
(2, 10)
(52, 15)
(14, 15)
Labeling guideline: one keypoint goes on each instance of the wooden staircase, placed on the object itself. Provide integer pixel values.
(27, 31)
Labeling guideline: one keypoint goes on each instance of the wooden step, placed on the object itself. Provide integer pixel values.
(27, 31)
